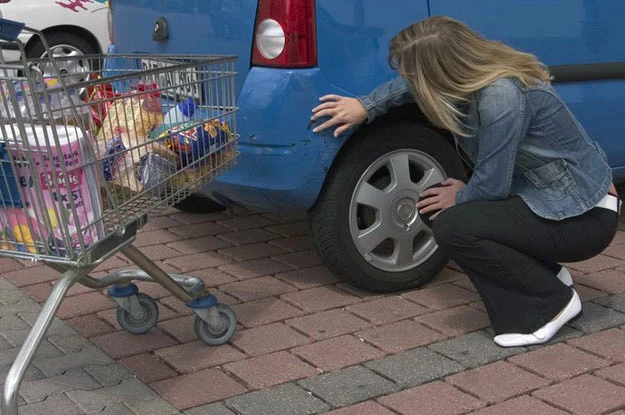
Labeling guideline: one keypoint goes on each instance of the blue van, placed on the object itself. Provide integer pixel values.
(360, 189)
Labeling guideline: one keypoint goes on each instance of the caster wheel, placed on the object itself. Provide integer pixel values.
(218, 333)
(145, 322)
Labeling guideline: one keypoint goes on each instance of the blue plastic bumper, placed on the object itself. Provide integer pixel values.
(282, 163)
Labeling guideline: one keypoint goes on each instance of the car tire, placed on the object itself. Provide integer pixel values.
(74, 45)
(388, 166)
(197, 203)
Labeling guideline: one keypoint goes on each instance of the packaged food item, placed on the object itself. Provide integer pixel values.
(178, 115)
(100, 97)
(71, 205)
(26, 96)
(195, 143)
(156, 172)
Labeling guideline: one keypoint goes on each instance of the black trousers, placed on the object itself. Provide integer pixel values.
(511, 255)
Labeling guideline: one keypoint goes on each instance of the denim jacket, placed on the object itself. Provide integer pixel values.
(523, 141)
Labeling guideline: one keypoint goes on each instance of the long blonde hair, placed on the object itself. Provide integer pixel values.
(445, 62)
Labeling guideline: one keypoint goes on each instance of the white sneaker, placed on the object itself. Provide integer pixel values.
(565, 276)
(546, 332)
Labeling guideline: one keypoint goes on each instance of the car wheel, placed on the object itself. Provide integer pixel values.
(68, 49)
(365, 224)
(197, 203)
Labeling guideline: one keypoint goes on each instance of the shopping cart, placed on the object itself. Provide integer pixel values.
(87, 152)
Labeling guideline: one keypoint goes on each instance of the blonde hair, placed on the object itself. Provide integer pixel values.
(445, 62)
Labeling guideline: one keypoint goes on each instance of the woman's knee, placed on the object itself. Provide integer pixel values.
(449, 227)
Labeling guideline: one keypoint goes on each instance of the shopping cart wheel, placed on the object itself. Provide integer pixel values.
(142, 323)
(219, 331)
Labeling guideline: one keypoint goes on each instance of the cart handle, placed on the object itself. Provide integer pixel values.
(10, 30)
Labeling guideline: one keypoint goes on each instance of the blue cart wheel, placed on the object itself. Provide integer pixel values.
(145, 322)
(219, 333)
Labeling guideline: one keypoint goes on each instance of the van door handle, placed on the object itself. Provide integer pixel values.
(160, 31)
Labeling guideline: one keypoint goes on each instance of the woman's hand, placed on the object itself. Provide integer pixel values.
(344, 112)
(440, 198)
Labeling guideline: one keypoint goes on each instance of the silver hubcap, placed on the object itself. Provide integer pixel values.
(383, 219)
(69, 61)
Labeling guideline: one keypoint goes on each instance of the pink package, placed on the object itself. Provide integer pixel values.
(66, 213)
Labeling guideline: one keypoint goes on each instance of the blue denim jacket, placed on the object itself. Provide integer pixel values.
(525, 142)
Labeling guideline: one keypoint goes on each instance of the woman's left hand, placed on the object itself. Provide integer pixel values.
(439, 198)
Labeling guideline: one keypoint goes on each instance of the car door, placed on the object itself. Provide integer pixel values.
(582, 43)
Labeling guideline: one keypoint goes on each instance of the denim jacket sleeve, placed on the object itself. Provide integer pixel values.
(390, 94)
(503, 122)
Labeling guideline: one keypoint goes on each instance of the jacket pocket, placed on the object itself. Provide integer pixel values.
(552, 180)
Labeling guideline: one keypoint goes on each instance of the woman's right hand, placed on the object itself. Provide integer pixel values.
(344, 112)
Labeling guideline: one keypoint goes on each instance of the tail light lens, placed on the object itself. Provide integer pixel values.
(285, 34)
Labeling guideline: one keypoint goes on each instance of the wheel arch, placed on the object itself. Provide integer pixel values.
(408, 113)
(75, 30)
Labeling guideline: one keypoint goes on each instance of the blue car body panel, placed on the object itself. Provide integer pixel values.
(283, 164)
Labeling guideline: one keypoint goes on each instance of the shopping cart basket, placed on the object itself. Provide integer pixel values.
(87, 152)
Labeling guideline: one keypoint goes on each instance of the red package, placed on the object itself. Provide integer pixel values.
(102, 95)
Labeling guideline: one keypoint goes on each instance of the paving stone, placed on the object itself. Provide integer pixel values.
(337, 353)
(287, 399)
(615, 374)
(587, 294)
(108, 375)
(53, 366)
(522, 405)
(436, 398)
(39, 292)
(584, 394)
(607, 344)
(264, 311)
(181, 329)
(8, 265)
(198, 230)
(116, 409)
(295, 244)
(497, 381)
(414, 367)
(90, 325)
(80, 305)
(400, 336)
(148, 368)
(194, 356)
(199, 388)
(474, 349)
(558, 362)
(193, 246)
(320, 298)
(156, 406)
(249, 236)
(260, 372)
(611, 281)
(290, 229)
(597, 318)
(300, 260)
(309, 277)
(98, 399)
(194, 262)
(616, 302)
(70, 343)
(30, 276)
(456, 321)
(595, 264)
(55, 404)
(262, 340)
(252, 251)
(32, 373)
(441, 296)
(387, 309)
(211, 409)
(328, 324)
(364, 408)
(256, 288)
(38, 390)
(213, 277)
(349, 386)
(253, 269)
(123, 344)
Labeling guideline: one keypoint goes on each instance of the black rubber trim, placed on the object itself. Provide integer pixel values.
(587, 72)
(8, 46)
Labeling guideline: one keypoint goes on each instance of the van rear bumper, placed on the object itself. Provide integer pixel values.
(282, 164)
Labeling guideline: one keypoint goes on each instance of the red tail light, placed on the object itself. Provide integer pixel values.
(285, 34)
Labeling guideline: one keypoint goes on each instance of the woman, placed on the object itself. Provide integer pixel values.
(540, 191)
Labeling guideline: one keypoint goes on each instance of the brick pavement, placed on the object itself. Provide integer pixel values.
(306, 342)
